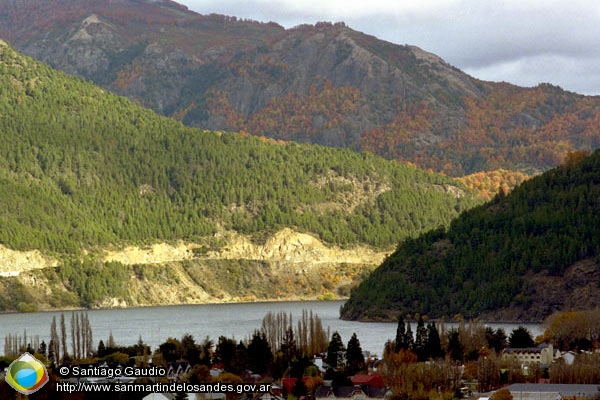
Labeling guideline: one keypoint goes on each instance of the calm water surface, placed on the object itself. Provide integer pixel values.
(239, 320)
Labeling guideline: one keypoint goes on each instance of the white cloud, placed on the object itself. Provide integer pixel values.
(510, 40)
(578, 75)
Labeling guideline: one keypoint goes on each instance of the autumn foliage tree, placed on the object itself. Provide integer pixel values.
(502, 394)
(572, 330)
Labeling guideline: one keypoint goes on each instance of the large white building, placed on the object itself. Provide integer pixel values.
(543, 354)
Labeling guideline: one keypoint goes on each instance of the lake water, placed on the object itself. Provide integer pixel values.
(238, 320)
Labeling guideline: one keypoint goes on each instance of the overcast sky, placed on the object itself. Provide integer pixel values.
(524, 42)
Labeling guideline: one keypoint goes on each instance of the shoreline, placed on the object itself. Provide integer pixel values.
(133, 307)
(289, 300)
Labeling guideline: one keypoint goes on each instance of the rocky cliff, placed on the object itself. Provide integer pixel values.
(12, 262)
(225, 268)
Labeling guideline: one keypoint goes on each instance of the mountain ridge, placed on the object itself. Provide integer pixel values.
(324, 83)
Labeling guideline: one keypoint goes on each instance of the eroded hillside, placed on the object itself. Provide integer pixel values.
(229, 267)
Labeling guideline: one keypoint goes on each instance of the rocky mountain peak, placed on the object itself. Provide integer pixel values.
(324, 83)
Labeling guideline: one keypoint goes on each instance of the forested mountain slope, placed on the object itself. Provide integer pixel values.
(325, 84)
(80, 167)
(520, 257)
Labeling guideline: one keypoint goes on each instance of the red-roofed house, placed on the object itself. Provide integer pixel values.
(374, 380)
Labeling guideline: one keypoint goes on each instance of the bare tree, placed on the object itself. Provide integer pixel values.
(73, 348)
(63, 337)
(78, 335)
(54, 341)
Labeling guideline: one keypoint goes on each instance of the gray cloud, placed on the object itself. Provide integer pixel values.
(518, 41)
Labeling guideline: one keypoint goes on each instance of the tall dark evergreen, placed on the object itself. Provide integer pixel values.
(496, 339)
(336, 351)
(400, 342)
(421, 340)
(520, 337)
(206, 351)
(225, 352)
(260, 355)
(434, 346)
(190, 350)
(101, 351)
(355, 360)
(241, 360)
(171, 350)
(455, 347)
(409, 338)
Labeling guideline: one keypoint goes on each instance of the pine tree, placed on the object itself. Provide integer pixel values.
(421, 340)
(101, 349)
(520, 337)
(355, 361)
(260, 356)
(225, 352)
(434, 347)
(335, 351)
(400, 341)
(455, 347)
(190, 351)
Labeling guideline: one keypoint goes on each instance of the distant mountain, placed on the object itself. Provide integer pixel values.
(325, 84)
(519, 257)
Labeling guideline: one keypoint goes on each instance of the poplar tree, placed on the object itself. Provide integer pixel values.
(54, 342)
(73, 348)
(63, 337)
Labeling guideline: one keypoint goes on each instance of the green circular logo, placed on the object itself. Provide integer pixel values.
(27, 374)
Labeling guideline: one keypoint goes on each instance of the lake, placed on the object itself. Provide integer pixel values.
(234, 320)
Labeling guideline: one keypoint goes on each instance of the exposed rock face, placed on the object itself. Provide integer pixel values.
(12, 263)
(155, 254)
(285, 247)
(288, 266)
